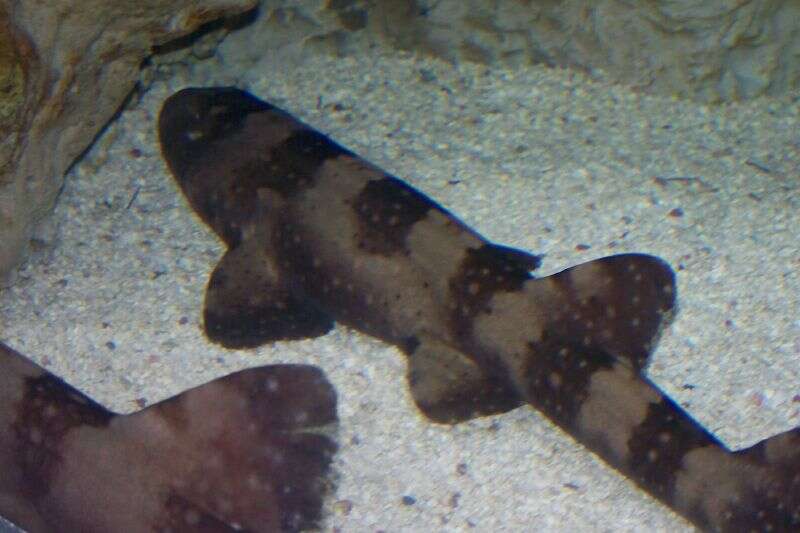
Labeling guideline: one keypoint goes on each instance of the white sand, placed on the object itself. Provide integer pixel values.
(543, 160)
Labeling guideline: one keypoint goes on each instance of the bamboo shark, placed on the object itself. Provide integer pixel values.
(316, 234)
(246, 452)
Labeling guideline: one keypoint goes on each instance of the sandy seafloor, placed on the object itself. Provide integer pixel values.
(541, 159)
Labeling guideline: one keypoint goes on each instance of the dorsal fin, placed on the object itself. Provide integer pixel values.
(618, 304)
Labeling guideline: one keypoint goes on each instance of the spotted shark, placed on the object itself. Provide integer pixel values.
(247, 452)
(316, 234)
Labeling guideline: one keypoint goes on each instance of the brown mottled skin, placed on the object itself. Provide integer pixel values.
(317, 234)
(246, 452)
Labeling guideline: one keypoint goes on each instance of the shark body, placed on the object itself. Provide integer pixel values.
(246, 452)
(316, 234)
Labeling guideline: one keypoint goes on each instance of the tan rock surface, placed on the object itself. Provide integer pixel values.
(66, 66)
(705, 50)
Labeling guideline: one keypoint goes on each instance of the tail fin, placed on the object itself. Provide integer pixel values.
(248, 451)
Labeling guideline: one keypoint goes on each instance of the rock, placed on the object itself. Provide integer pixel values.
(707, 50)
(66, 66)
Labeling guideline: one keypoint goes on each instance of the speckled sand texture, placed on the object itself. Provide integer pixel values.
(539, 159)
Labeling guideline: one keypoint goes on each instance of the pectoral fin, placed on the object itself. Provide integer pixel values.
(449, 387)
(249, 304)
